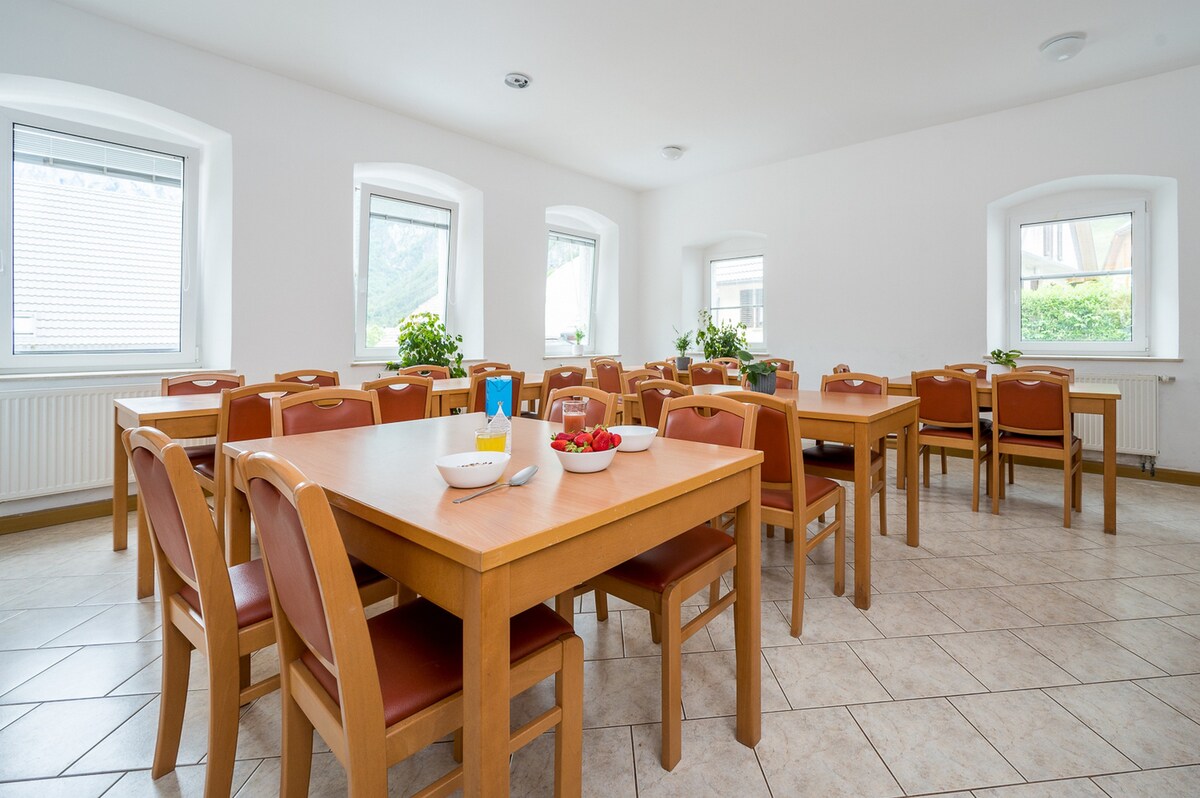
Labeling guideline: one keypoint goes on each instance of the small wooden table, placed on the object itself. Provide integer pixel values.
(490, 558)
(861, 420)
(1096, 398)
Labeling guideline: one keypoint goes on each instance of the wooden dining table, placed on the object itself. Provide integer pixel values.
(1085, 397)
(861, 420)
(490, 558)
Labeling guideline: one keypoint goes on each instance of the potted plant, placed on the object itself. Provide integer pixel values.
(1006, 357)
(577, 347)
(424, 340)
(682, 341)
(725, 340)
(759, 376)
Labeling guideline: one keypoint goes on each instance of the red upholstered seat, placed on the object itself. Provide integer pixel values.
(1044, 441)
(985, 429)
(418, 652)
(835, 455)
(202, 456)
(207, 469)
(250, 594)
(670, 561)
(814, 489)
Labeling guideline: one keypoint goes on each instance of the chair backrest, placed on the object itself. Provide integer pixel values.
(561, 377)
(948, 398)
(1031, 404)
(653, 394)
(978, 370)
(317, 607)
(477, 395)
(713, 373)
(608, 374)
(780, 363)
(788, 380)
(601, 407)
(426, 370)
(631, 379)
(323, 409)
(1061, 371)
(777, 436)
(182, 533)
(315, 378)
(665, 368)
(854, 382)
(841, 368)
(402, 398)
(490, 365)
(246, 412)
(201, 382)
(728, 423)
(727, 362)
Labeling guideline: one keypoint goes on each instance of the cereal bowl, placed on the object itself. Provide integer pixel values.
(472, 469)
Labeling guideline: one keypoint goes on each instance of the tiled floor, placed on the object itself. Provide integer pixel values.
(1005, 657)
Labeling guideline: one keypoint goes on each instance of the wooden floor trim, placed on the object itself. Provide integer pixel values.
(59, 515)
(1172, 476)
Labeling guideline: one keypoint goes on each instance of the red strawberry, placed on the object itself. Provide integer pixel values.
(616, 439)
(583, 439)
(588, 449)
(564, 436)
(560, 445)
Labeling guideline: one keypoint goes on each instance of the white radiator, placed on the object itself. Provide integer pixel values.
(58, 440)
(1137, 415)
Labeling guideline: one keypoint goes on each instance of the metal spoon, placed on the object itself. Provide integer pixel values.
(517, 479)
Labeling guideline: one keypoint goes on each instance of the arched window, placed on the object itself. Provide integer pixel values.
(581, 268)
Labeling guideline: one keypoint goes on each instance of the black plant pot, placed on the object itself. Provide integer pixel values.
(682, 363)
(763, 383)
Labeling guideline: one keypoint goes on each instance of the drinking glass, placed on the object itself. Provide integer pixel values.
(574, 416)
(488, 440)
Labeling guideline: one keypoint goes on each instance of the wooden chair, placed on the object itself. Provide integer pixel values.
(201, 382)
(653, 396)
(1031, 416)
(1060, 371)
(426, 370)
(977, 370)
(793, 499)
(660, 579)
(491, 365)
(608, 374)
(949, 417)
(402, 398)
(477, 394)
(631, 412)
(780, 363)
(601, 407)
(712, 373)
(728, 362)
(836, 460)
(314, 378)
(379, 690)
(323, 409)
(788, 380)
(841, 368)
(665, 368)
(552, 380)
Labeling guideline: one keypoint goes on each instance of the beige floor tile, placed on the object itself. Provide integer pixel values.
(635, 632)
(1158, 643)
(132, 745)
(959, 572)
(1002, 661)
(1174, 590)
(1038, 737)
(1142, 727)
(601, 639)
(823, 676)
(17, 667)
(1083, 565)
(713, 763)
(1138, 561)
(950, 544)
(1069, 788)
(901, 576)
(621, 692)
(121, 623)
(906, 614)
(929, 747)
(818, 582)
(1025, 568)
(607, 765)
(33, 628)
(776, 628)
(915, 667)
(184, 782)
(710, 686)
(977, 609)
(90, 672)
(833, 620)
(1002, 541)
(259, 734)
(1187, 554)
(10, 712)
(821, 753)
(1118, 600)
(1048, 605)
(46, 740)
(1179, 692)
(68, 787)
(1187, 623)
(1086, 654)
(63, 591)
(1168, 783)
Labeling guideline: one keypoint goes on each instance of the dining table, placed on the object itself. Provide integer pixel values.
(1096, 398)
(861, 420)
(487, 559)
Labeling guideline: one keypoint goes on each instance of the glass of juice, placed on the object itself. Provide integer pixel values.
(487, 440)
(574, 414)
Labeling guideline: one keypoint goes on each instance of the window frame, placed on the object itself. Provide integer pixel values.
(756, 348)
(1140, 279)
(553, 349)
(362, 261)
(189, 355)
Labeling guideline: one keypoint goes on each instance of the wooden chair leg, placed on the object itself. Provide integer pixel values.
(789, 535)
(925, 465)
(839, 549)
(456, 748)
(224, 693)
(770, 530)
(882, 503)
(568, 734)
(1068, 490)
(655, 628)
(997, 481)
(714, 592)
(799, 577)
(821, 518)
(1011, 470)
(975, 482)
(296, 762)
(601, 605)
(1000, 473)
(943, 460)
(176, 669)
(564, 605)
(672, 677)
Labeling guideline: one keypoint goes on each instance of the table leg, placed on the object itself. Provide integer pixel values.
(862, 518)
(486, 683)
(901, 458)
(1110, 467)
(914, 489)
(120, 511)
(237, 517)
(747, 617)
(145, 562)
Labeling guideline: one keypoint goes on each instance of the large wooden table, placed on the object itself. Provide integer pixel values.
(492, 557)
(1086, 397)
(861, 420)
(196, 417)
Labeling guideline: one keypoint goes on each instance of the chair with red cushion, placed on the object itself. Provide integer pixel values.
(949, 417)
(713, 373)
(402, 398)
(793, 499)
(631, 411)
(665, 368)
(1061, 371)
(378, 690)
(653, 396)
(490, 365)
(780, 363)
(660, 579)
(607, 373)
(977, 370)
(477, 395)
(601, 407)
(425, 370)
(553, 379)
(787, 380)
(201, 382)
(836, 460)
(1031, 417)
(314, 378)
(322, 410)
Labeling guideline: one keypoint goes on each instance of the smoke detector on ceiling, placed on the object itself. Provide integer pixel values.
(671, 152)
(1063, 47)
(516, 80)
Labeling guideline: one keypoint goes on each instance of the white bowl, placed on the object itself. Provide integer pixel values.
(585, 462)
(472, 469)
(634, 438)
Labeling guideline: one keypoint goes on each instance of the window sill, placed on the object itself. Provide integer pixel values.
(77, 375)
(1032, 357)
(584, 356)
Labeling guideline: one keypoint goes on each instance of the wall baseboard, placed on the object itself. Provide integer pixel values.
(59, 515)
(1171, 476)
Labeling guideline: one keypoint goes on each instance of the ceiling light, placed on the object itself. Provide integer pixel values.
(1063, 47)
(671, 152)
(516, 80)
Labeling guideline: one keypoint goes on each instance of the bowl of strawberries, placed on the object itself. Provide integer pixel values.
(587, 451)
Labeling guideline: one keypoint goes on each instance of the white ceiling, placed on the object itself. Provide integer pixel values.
(735, 82)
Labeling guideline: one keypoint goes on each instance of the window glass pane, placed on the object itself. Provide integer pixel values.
(407, 264)
(570, 273)
(736, 292)
(97, 246)
(1076, 280)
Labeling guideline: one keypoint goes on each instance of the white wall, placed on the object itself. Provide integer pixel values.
(879, 250)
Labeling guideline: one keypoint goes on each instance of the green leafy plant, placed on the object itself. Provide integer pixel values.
(682, 341)
(752, 369)
(424, 340)
(579, 334)
(725, 340)
(1006, 357)
(1090, 310)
